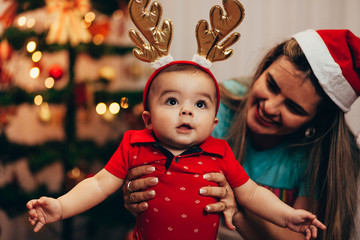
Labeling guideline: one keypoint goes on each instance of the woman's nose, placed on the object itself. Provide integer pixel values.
(272, 106)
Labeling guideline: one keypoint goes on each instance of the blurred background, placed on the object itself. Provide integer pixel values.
(70, 87)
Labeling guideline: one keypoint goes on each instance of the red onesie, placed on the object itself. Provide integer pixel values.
(177, 211)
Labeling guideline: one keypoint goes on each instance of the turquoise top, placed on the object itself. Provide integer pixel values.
(280, 169)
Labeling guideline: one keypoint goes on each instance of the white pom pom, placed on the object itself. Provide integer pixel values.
(162, 62)
(202, 61)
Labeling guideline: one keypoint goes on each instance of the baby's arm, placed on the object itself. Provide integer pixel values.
(85, 195)
(267, 205)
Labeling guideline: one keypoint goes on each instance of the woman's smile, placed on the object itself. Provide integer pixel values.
(262, 119)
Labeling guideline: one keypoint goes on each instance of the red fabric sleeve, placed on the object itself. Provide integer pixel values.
(235, 173)
(118, 165)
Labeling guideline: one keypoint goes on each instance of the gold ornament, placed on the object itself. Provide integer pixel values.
(147, 21)
(222, 24)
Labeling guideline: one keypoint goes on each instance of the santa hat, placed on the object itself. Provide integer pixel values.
(157, 71)
(334, 56)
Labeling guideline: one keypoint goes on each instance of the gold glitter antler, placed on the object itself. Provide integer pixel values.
(147, 22)
(208, 41)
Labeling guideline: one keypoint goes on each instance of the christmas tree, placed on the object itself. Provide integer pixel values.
(69, 89)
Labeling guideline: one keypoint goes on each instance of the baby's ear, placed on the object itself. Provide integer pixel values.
(216, 121)
(147, 119)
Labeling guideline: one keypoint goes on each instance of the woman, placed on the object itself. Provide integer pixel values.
(290, 134)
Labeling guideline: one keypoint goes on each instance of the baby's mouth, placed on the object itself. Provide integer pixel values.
(184, 127)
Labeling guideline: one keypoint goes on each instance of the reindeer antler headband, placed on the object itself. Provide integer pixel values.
(212, 46)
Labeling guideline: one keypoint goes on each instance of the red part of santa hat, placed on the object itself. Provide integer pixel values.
(334, 56)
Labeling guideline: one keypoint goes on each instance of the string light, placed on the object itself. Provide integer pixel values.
(89, 17)
(30, 22)
(34, 72)
(109, 113)
(45, 114)
(114, 108)
(49, 82)
(31, 46)
(101, 108)
(98, 39)
(21, 21)
(36, 56)
(38, 99)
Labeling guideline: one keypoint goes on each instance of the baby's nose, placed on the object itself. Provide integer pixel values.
(186, 111)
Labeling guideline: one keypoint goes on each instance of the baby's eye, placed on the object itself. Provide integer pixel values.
(171, 101)
(201, 104)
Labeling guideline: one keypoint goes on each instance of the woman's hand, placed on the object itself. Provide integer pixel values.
(135, 196)
(227, 203)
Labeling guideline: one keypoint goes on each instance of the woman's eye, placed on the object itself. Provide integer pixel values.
(171, 101)
(271, 86)
(295, 109)
(201, 104)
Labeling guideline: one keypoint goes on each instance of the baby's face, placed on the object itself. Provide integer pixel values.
(182, 108)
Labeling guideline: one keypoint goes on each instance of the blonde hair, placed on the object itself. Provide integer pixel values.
(332, 156)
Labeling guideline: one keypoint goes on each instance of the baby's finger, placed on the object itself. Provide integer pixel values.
(31, 204)
(38, 226)
(307, 234)
(318, 224)
(32, 221)
(228, 220)
(33, 213)
(313, 230)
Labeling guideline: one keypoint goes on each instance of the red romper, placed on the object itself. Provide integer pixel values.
(177, 211)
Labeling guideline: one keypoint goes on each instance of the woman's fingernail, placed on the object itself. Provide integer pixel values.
(152, 193)
(154, 180)
(151, 168)
(203, 191)
(206, 176)
(207, 208)
(144, 206)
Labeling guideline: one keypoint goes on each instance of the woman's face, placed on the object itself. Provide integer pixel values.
(281, 100)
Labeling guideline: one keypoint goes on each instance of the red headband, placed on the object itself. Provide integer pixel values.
(157, 71)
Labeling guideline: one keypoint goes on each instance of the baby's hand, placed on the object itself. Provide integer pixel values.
(42, 211)
(305, 222)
